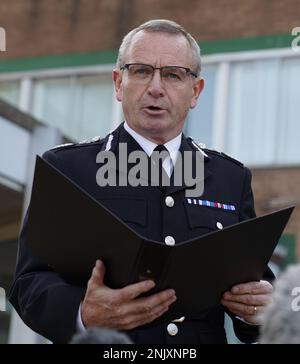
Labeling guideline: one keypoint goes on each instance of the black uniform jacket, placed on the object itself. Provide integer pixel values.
(50, 306)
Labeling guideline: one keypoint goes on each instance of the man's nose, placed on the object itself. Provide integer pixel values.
(155, 87)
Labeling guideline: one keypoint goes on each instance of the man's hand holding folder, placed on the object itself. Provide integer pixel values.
(248, 299)
(122, 309)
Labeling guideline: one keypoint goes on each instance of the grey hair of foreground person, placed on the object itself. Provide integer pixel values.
(281, 318)
(97, 335)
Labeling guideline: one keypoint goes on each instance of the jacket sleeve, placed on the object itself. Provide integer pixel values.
(44, 301)
(245, 332)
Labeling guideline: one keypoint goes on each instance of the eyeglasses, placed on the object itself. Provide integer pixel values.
(143, 73)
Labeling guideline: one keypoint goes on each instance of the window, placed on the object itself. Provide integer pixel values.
(10, 92)
(288, 112)
(262, 126)
(249, 107)
(251, 133)
(81, 107)
(199, 123)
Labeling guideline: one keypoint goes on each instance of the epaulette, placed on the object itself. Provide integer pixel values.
(224, 155)
(74, 145)
(199, 146)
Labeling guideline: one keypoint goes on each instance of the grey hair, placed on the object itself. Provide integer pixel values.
(97, 335)
(161, 26)
(281, 320)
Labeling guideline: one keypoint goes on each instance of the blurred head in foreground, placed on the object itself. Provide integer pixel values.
(281, 318)
(97, 335)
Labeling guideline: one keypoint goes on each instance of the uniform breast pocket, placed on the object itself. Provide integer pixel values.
(203, 219)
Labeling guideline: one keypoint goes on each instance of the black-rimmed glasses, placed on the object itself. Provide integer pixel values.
(170, 74)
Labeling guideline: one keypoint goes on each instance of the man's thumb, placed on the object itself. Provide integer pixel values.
(98, 274)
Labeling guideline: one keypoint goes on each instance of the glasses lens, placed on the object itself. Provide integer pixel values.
(174, 74)
(140, 71)
(169, 74)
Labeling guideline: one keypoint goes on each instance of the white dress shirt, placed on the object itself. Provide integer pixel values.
(172, 146)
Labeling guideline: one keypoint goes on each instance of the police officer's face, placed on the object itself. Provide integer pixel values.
(156, 107)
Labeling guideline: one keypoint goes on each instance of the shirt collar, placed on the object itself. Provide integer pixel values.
(172, 145)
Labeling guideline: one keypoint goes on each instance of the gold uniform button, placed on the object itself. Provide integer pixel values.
(169, 240)
(169, 201)
(172, 329)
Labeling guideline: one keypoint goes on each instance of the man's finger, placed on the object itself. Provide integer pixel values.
(159, 311)
(148, 314)
(98, 274)
(136, 312)
(252, 288)
(153, 303)
(132, 291)
(240, 308)
(158, 298)
(248, 299)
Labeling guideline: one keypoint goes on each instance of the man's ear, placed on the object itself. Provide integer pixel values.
(117, 79)
(197, 89)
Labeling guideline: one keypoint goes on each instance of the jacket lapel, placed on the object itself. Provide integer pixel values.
(187, 147)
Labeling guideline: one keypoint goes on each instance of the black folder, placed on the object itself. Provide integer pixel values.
(68, 230)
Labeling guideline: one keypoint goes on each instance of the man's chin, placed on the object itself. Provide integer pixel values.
(156, 125)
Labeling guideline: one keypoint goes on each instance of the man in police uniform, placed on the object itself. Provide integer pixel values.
(155, 98)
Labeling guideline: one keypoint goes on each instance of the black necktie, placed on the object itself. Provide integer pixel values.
(160, 148)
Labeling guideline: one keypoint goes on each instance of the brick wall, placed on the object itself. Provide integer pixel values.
(43, 27)
(275, 189)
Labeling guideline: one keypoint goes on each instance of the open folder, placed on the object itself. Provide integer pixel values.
(68, 229)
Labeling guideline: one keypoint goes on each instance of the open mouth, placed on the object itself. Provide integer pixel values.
(154, 108)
